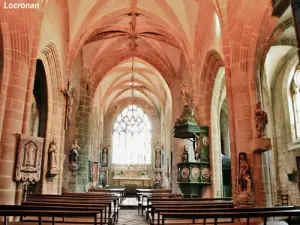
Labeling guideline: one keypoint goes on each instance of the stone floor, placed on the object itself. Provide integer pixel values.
(131, 217)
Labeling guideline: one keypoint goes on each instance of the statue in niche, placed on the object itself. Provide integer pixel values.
(105, 157)
(30, 152)
(244, 182)
(53, 157)
(157, 157)
(70, 95)
(185, 154)
(261, 119)
(34, 118)
(73, 156)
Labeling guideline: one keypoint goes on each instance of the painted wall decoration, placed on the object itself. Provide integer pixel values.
(29, 160)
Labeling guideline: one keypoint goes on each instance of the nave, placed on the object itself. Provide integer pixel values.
(196, 99)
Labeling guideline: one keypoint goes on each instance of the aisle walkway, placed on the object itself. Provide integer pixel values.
(130, 217)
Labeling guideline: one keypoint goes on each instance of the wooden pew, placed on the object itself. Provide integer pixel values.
(141, 191)
(119, 191)
(142, 204)
(63, 208)
(80, 199)
(250, 213)
(188, 205)
(107, 217)
(48, 213)
(208, 208)
(185, 201)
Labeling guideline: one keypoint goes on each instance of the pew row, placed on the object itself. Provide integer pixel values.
(111, 208)
(246, 213)
(43, 212)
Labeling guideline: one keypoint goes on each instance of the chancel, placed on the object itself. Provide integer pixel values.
(150, 111)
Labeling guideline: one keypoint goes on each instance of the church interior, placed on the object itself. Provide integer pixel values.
(164, 110)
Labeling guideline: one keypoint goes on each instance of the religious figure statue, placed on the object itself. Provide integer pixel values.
(157, 157)
(187, 115)
(105, 157)
(185, 154)
(185, 96)
(53, 157)
(73, 156)
(261, 119)
(244, 182)
(30, 155)
(70, 95)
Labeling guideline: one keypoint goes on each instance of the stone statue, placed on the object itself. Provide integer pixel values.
(157, 158)
(185, 154)
(105, 157)
(185, 96)
(187, 115)
(244, 182)
(73, 156)
(70, 95)
(53, 157)
(261, 120)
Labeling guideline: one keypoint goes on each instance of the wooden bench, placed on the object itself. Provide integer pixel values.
(109, 216)
(184, 201)
(142, 203)
(119, 191)
(156, 209)
(45, 207)
(48, 213)
(231, 214)
(80, 199)
(208, 208)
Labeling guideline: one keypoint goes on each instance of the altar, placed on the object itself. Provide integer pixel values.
(138, 181)
(132, 175)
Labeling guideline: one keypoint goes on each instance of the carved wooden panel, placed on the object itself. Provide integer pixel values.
(28, 166)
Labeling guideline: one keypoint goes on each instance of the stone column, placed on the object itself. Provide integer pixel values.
(17, 85)
(78, 180)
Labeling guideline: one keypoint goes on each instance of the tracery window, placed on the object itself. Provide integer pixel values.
(296, 103)
(132, 137)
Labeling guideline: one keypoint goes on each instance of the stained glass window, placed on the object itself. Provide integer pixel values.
(296, 102)
(132, 137)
